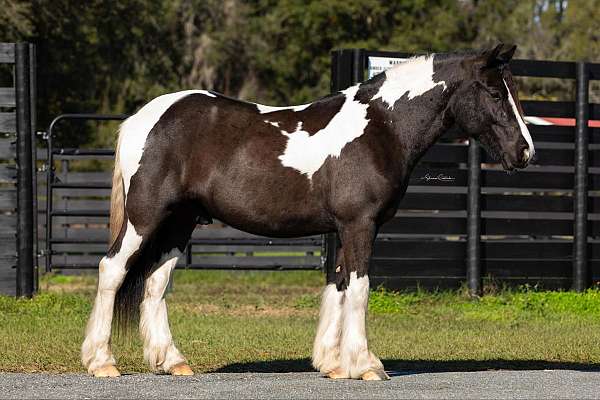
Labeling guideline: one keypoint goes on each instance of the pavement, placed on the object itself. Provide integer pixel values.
(525, 384)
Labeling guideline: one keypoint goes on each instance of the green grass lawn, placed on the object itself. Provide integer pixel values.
(265, 321)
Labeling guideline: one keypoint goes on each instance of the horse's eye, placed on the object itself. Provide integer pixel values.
(497, 96)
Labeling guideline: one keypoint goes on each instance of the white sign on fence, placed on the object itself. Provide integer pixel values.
(377, 65)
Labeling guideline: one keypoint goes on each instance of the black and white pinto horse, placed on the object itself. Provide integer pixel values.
(340, 164)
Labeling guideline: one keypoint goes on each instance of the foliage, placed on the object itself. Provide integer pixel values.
(507, 304)
(105, 56)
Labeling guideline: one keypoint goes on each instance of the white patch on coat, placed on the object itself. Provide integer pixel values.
(326, 349)
(275, 124)
(522, 126)
(269, 109)
(306, 153)
(413, 77)
(159, 350)
(136, 128)
(356, 359)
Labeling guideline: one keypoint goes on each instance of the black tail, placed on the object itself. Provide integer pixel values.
(128, 298)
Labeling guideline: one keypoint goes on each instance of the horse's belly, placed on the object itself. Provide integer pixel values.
(281, 228)
(269, 207)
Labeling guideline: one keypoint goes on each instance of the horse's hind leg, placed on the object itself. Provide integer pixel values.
(159, 350)
(96, 354)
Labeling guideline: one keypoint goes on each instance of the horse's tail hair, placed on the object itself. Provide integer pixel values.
(117, 197)
(129, 294)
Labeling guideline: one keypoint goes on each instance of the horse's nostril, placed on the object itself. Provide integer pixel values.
(526, 155)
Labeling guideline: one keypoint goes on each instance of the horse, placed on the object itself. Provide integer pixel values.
(339, 164)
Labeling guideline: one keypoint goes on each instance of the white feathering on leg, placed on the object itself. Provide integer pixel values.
(356, 359)
(326, 350)
(159, 350)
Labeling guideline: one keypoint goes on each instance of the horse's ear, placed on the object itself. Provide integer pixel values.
(499, 56)
(508, 54)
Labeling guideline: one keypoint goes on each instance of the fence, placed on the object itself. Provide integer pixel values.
(539, 226)
(17, 203)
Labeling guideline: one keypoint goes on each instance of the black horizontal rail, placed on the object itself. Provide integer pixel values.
(83, 152)
(80, 185)
(231, 267)
(529, 68)
(227, 242)
(80, 213)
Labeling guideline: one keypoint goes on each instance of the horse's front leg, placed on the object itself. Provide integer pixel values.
(356, 361)
(326, 349)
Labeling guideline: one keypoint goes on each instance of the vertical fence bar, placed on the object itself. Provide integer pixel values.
(25, 279)
(33, 102)
(49, 182)
(580, 207)
(358, 66)
(474, 220)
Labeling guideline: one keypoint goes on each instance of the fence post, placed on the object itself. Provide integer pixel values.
(33, 111)
(25, 267)
(580, 198)
(474, 220)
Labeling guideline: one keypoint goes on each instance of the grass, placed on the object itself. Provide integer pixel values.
(265, 321)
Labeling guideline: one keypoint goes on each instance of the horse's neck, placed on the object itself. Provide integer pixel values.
(418, 127)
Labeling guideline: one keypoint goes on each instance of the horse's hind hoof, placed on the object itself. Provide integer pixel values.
(108, 371)
(373, 375)
(337, 374)
(181, 370)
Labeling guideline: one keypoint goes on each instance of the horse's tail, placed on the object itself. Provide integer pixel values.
(129, 294)
(117, 197)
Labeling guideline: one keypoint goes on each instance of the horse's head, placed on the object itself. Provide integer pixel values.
(486, 107)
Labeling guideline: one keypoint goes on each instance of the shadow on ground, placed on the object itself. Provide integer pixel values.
(415, 366)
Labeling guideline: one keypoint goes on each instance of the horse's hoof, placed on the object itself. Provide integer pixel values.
(372, 375)
(181, 370)
(108, 371)
(337, 374)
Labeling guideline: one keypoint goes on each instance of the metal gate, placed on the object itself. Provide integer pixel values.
(78, 210)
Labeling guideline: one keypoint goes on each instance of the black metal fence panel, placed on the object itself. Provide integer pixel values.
(539, 226)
